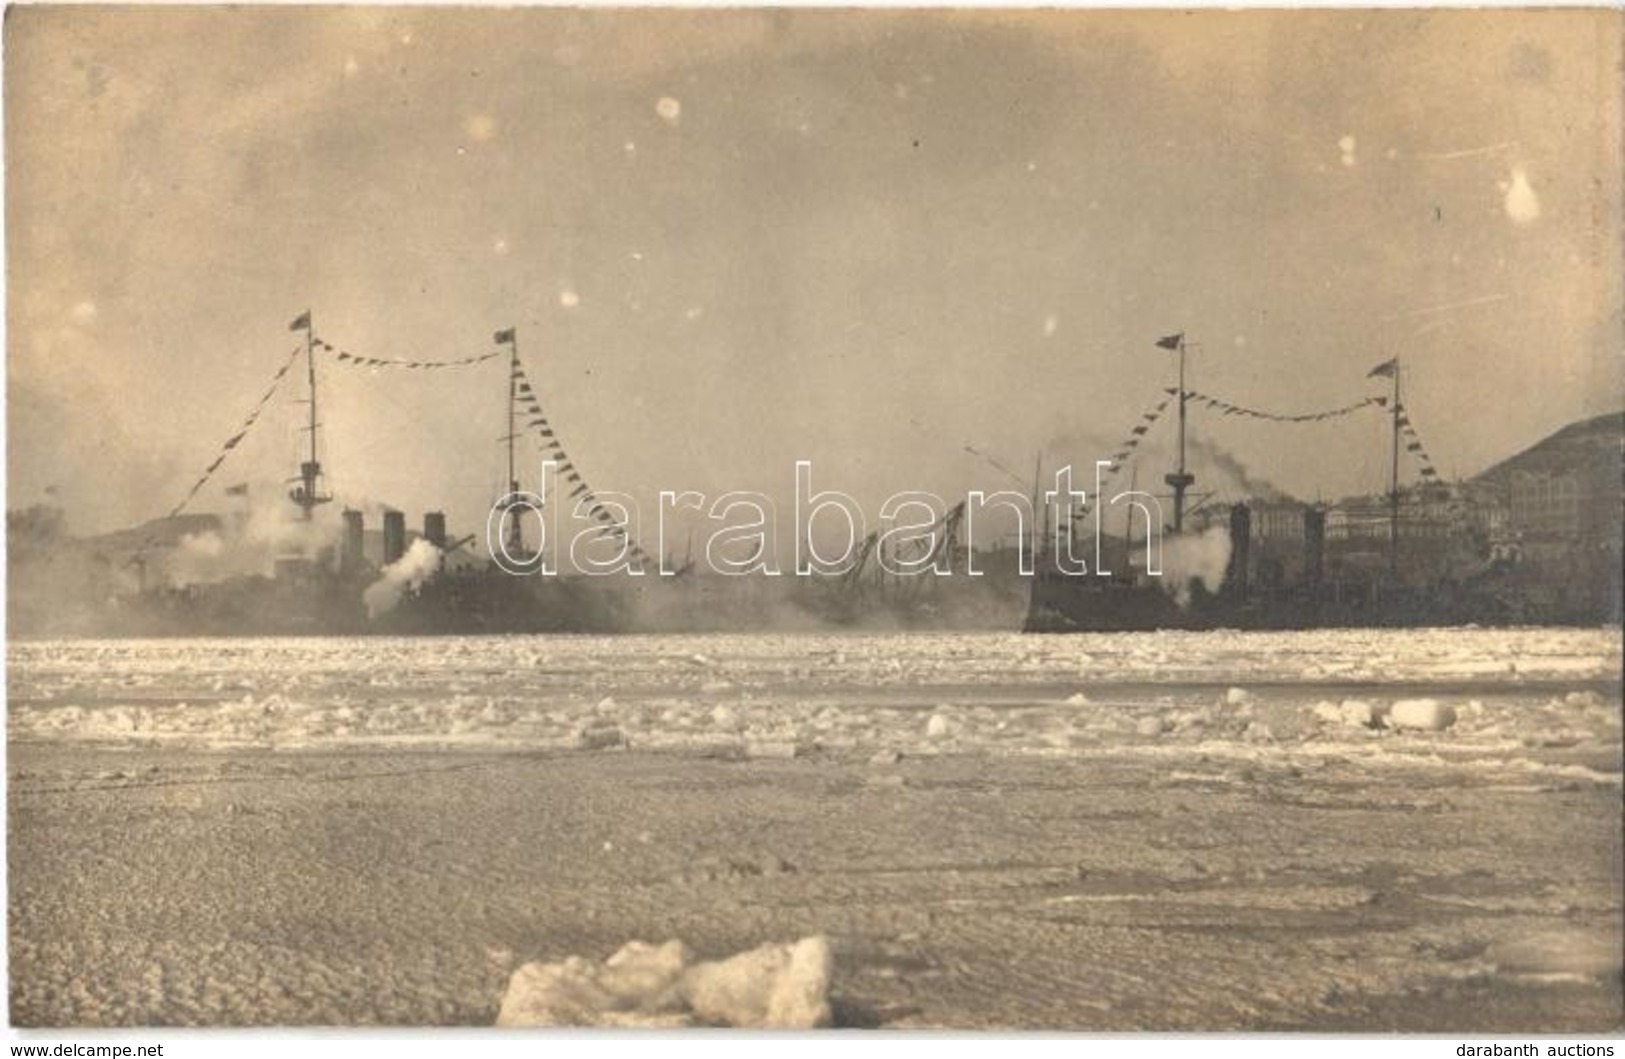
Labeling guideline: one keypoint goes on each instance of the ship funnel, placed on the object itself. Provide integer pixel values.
(434, 528)
(1241, 539)
(350, 558)
(394, 536)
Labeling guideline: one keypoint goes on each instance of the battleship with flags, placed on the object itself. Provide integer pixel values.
(349, 580)
(1492, 550)
(417, 582)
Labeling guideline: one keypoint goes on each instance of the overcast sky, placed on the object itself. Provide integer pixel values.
(730, 240)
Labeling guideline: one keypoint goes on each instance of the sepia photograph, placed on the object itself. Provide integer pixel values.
(990, 520)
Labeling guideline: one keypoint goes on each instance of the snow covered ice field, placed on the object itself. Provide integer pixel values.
(1364, 830)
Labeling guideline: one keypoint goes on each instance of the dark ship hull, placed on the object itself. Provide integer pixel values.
(1061, 603)
(1495, 595)
(248, 606)
(487, 601)
(491, 602)
(483, 602)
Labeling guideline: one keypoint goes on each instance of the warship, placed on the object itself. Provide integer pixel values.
(1537, 544)
(349, 580)
(409, 581)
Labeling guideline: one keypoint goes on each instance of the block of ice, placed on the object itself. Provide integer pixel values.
(638, 986)
(1350, 713)
(771, 987)
(1428, 715)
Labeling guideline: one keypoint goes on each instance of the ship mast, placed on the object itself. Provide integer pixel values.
(306, 494)
(516, 535)
(1180, 480)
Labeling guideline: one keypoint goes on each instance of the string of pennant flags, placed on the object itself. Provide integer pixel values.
(525, 394)
(1414, 446)
(1137, 434)
(552, 448)
(539, 426)
(242, 432)
(1227, 408)
(1413, 443)
(355, 360)
(538, 423)
(1125, 450)
(1148, 419)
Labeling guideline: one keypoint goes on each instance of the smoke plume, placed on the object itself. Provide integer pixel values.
(420, 563)
(1234, 476)
(248, 543)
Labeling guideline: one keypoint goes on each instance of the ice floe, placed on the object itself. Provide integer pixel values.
(775, 986)
(822, 696)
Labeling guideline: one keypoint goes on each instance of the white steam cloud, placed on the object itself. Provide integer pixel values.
(248, 545)
(1199, 556)
(420, 563)
(197, 559)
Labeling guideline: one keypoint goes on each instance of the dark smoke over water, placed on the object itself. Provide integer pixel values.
(1235, 479)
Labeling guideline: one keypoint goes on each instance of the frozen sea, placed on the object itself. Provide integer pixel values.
(1139, 831)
